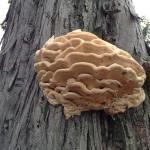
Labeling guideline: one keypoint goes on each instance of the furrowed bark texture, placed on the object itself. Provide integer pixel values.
(27, 120)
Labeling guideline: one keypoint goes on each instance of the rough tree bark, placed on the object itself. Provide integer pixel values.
(27, 120)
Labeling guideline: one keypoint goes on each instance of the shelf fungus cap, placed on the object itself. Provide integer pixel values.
(83, 72)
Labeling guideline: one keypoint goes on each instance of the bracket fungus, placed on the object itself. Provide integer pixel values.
(83, 72)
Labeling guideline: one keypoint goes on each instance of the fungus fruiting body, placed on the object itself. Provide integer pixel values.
(83, 72)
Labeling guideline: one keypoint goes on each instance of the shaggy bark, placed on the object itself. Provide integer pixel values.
(27, 120)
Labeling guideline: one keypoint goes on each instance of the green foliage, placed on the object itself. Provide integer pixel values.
(145, 25)
(3, 25)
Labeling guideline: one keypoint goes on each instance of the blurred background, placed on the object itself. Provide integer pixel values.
(3, 10)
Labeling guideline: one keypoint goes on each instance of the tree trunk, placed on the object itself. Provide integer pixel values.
(27, 120)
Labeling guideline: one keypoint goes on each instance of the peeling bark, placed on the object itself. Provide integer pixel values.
(27, 120)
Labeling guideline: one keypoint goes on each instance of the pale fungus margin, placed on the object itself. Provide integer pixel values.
(83, 72)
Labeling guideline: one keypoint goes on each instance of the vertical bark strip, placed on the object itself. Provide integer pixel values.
(27, 120)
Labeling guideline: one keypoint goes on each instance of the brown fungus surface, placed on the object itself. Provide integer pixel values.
(82, 72)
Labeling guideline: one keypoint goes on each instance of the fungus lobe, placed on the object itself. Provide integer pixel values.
(83, 72)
